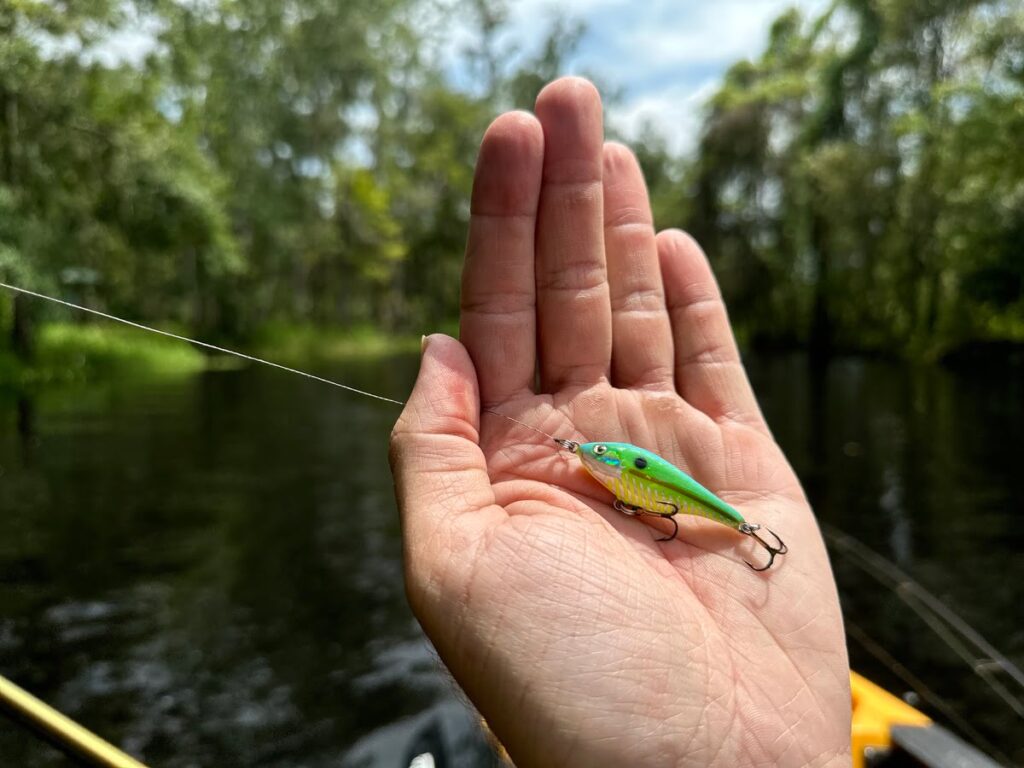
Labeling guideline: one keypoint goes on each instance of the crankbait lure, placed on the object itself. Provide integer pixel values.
(646, 484)
(643, 482)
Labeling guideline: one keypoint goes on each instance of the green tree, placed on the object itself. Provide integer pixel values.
(829, 179)
(100, 183)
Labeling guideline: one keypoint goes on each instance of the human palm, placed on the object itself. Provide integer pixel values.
(582, 639)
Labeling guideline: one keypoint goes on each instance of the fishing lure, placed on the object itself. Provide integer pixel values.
(646, 484)
(643, 482)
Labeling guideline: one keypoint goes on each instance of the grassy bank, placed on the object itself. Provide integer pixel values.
(67, 353)
(297, 344)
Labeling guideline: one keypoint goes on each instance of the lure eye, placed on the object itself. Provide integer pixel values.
(639, 463)
(600, 450)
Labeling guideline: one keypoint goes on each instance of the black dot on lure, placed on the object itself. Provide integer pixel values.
(639, 463)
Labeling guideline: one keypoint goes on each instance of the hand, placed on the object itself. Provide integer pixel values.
(582, 640)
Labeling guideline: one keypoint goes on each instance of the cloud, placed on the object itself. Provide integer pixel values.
(666, 56)
(674, 113)
(126, 46)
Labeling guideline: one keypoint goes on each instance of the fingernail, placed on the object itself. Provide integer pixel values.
(423, 344)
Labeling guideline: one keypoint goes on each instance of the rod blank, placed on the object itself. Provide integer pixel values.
(65, 734)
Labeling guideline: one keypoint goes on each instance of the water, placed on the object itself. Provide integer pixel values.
(207, 570)
(924, 466)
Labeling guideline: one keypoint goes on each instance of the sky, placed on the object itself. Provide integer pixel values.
(667, 56)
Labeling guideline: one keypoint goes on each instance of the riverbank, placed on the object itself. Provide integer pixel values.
(296, 344)
(65, 353)
(68, 353)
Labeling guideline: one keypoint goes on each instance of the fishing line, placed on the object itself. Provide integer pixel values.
(747, 529)
(568, 444)
(202, 344)
(66, 734)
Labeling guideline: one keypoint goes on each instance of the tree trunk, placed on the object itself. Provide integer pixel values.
(22, 341)
(821, 340)
(9, 136)
(924, 254)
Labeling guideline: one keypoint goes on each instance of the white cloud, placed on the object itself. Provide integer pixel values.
(667, 56)
(126, 46)
(674, 113)
(129, 44)
(707, 33)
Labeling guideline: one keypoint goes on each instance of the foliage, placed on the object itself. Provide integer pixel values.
(308, 164)
(296, 162)
(70, 353)
(861, 183)
(312, 344)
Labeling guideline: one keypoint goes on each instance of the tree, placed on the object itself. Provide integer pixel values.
(829, 177)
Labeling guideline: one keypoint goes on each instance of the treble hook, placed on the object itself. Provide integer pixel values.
(751, 531)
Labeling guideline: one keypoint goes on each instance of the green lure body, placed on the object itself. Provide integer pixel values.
(651, 485)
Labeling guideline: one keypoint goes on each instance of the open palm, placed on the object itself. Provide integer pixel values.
(582, 639)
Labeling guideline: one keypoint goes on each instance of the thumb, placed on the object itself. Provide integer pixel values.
(440, 472)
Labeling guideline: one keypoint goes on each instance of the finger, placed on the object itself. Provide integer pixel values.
(573, 312)
(441, 481)
(641, 332)
(708, 371)
(498, 292)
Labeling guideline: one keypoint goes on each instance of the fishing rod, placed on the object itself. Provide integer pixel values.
(951, 628)
(929, 696)
(62, 732)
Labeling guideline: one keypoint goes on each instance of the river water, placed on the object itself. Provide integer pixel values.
(206, 570)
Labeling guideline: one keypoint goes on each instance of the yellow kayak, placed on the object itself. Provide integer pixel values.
(887, 731)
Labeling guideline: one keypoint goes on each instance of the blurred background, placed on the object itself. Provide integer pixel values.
(201, 561)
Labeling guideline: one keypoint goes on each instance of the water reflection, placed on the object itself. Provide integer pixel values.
(26, 427)
(934, 484)
(208, 570)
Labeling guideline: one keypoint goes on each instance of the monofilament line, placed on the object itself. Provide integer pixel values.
(202, 344)
(224, 351)
(568, 444)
